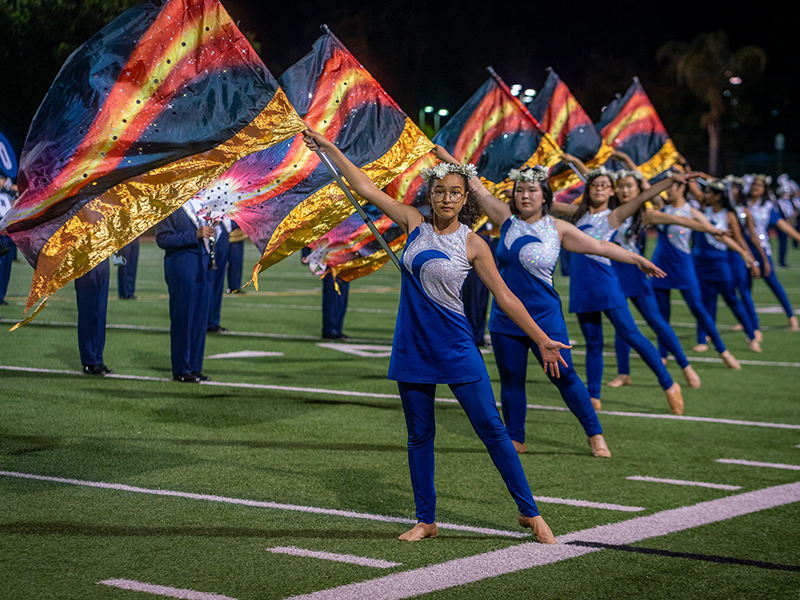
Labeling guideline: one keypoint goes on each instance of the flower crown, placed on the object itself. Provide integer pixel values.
(733, 180)
(529, 174)
(599, 172)
(444, 168)
(717, 185)
(765, 178)
(622, 174)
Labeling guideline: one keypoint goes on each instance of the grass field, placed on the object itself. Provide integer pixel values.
(306, 449)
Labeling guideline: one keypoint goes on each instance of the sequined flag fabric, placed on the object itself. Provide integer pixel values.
(493, 130)
(630, 124)
(283, 198)
(139, 119)
(572, 129)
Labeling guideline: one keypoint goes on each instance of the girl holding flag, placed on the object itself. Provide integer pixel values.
(433, 341)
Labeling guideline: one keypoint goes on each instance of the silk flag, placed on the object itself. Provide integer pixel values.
(492, 129)
(572, 129)
(284, 198)
(631, 125)
(141, 117)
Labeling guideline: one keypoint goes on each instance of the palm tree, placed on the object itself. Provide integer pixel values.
(707, 67)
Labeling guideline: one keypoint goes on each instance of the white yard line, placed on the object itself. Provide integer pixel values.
(259, 504)
(284, 388)
(244, 354)
(716, 486)
(416, 582)
(345, 558)
(162, 590)
(755, 463)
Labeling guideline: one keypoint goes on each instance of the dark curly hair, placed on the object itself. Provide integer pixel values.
(547, 198)
(469, 213)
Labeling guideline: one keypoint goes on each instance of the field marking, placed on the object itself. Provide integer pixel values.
(345, 558)
(244, 354)
(415, 582)
(754, 463)
(364, 350)
(716, 486)
(588, 504)
(162, 590)
(284, 388)
(260, 504)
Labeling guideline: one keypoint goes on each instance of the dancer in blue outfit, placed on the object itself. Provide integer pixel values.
(629, 184)
(126, 271)
(764, 215)
(433, 341)
(91, 294)
(712, 265)
(594, 288)
(184, 237)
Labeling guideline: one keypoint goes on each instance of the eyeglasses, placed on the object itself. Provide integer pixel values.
(439, 195)
(599, 186)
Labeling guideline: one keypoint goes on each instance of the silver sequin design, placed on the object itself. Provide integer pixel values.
(538, 258)
(720, 221)
(761, 215)
(443, 274)
(622, 239)
(679, 236)
(597, 226)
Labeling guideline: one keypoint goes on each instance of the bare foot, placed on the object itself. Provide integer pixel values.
(541, 531)
(664, 360)
(754, 345)
(598, 445)
(674, 399)
(738, 327)
(691, 376)
(619, 381)
(730, 360)
(420, 531)
(759, 336)
(793, 325)
(519, 447)
(596, 403)
(701, 348)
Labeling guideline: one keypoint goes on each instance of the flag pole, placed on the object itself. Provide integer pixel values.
(335, 174)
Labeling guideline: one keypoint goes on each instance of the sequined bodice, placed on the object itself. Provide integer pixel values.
(678, 235)
(597, 226)
(625, 239)
(720, 221)
(439, 263)
(536, 245)
(761, 216)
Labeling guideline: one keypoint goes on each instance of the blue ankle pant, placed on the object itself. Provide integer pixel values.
(477, 400)
(694, 301)
(622, 320)
(511, 354)
(776, 287)
(709, 290)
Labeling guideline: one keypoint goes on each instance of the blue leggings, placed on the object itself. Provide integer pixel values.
(775, 286)
(477, 400)
(694, 301)
(648, 308)
(511, 354)
(622, 320)
(709, 290)
(741, 284)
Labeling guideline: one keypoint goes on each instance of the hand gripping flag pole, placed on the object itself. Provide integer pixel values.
(527, 113)
(335, 174)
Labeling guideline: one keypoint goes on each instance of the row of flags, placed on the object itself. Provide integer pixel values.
(170, 102)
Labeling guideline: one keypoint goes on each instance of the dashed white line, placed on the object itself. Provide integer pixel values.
(716, 486)
(162, 590)
(755, 463)
(416, 582)
(345, 558)
(284, 388)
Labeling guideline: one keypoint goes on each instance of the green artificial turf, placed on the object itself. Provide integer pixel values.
(347, 452)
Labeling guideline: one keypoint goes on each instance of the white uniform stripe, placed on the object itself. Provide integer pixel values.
(345, 558)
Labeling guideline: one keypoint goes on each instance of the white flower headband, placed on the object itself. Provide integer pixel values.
(765, 178)
(622, 174)
(599, 172)
(443, 169)
(733, 180)
(529, 174)
(718, 185)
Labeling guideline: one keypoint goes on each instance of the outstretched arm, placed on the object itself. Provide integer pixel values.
(624, 158)
(787, 228)
(741, 245)
(407, 217)
(576, 162)
(482, 261)
(574, 240)
(497, 210)
(656, 217)
(623, 211)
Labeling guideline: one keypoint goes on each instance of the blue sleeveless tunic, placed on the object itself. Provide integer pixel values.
(672, 253)
(764, 216)
(634, 283)
(526, 256)
(593, 285)
(433, 341)
(710, 255)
